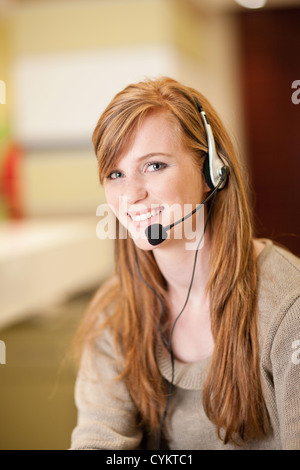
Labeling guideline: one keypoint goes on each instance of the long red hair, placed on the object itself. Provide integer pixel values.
(232, 396)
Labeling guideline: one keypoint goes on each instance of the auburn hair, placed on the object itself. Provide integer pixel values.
(232, 396)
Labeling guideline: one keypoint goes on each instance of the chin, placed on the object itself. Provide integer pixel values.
(143, 244)
(140, 240)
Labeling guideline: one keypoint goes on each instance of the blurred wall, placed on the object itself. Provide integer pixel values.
(65, 62)
(3, 107)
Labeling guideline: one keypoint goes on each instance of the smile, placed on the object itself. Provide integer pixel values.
(146, 215)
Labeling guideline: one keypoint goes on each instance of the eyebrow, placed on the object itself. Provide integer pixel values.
(153, 154)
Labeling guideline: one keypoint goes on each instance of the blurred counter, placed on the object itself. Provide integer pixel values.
(43, 261)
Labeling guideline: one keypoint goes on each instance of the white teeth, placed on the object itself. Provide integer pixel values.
(145, 216)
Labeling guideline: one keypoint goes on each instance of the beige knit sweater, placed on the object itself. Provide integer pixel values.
(107, 415)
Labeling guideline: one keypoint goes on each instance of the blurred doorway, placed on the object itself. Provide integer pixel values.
(269, 65)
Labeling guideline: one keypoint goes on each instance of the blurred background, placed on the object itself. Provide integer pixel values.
(61, 62)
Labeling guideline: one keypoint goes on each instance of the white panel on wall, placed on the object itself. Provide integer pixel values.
(60, 182)
(57, 99)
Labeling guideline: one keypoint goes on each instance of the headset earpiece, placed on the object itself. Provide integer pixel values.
(214, 168)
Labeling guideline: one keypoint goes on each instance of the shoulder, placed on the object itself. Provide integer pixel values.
(95, 331)
(278, 293)
(274, 254)
(100, 350)
(102, 305)
(278, 273)
(279, 328)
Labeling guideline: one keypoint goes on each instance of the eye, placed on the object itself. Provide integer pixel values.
(155, 166)
(114, 175)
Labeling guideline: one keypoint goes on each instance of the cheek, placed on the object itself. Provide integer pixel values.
(117, 203)
(112, 198)
(179, 190)
(195, 185)
(187, 181)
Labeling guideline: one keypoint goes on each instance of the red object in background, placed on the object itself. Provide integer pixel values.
(10, 181)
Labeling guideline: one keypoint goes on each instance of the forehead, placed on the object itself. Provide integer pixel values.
(157, 133)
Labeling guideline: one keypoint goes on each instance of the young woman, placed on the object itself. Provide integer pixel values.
(189, 345)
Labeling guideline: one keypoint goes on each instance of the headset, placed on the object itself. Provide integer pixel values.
(216, 174)
(214, 168)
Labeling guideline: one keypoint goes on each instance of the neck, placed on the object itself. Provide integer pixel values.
(176, 264)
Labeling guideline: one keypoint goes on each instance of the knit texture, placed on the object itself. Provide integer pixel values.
(107, 415)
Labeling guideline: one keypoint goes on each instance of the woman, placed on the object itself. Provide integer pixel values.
(187, 346)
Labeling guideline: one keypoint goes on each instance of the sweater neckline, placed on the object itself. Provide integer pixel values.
(191, 375)
(186, 375)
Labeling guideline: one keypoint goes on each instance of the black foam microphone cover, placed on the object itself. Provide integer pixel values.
(156, 234)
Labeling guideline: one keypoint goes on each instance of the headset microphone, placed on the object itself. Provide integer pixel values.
(156, 233)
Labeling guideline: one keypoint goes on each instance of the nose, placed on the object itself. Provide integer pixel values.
(135, 190)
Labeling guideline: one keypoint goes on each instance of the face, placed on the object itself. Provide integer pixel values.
(155, 180)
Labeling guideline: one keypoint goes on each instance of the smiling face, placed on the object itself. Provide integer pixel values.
(154, 175)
